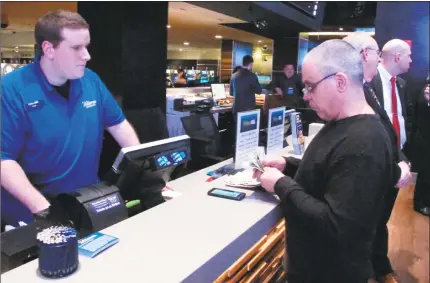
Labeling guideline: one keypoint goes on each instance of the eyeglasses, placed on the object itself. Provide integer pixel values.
(311, 87)
(379, 52)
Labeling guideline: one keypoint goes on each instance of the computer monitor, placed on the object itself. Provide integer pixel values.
(156, 156)
(218, 91)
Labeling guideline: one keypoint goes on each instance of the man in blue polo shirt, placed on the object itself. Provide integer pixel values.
(54, 112)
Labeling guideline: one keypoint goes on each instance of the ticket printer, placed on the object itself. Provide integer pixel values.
(88, 209)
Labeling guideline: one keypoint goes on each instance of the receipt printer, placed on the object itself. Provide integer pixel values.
(93, 208)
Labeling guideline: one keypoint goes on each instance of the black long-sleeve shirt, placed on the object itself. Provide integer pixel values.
(332, 205)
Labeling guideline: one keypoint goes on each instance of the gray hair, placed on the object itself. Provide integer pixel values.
(359, 40)
(336, 55)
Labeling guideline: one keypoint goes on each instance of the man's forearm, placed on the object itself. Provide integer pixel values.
(124, 134)
(14, 180)
(291, 167)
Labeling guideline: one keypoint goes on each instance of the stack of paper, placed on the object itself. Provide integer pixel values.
(242, 179)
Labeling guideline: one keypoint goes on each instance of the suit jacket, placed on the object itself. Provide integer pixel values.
(420, 133)
(376, 105)
(402, 88)
(243, 86)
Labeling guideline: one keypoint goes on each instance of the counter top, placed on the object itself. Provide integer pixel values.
(192, 238)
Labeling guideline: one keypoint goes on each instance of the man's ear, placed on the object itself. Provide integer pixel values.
(364, 54)
(48, 49)
(397, 57)
(341, 82)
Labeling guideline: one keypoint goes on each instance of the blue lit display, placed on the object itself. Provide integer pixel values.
(172, 158)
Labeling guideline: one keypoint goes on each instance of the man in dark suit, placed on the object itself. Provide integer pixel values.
(391, 92)
(243, 86)
(370, 55)
(420, 150)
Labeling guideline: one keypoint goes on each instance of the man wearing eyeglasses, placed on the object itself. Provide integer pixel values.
(331, 206)
(370, 56)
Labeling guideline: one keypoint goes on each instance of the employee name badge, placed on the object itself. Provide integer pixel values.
(297, 133)
(290, 91)
(247, 134)
(275, 130)
(35, 105)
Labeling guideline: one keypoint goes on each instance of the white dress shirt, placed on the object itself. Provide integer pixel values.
(386, 88)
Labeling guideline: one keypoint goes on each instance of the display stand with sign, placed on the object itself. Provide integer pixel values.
(275, 130)
(247, 130)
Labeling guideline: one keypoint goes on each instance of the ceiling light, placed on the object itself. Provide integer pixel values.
(186, 43)
(168, 26)
(258, 54)
(218, 36)
(341, 28)
(180, 49)
(259, 41)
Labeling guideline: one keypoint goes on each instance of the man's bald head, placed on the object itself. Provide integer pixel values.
(395, 46)
(334, 56)
(369, 52)
(396, 56)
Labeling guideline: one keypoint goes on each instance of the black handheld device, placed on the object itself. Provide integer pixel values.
(228, 194)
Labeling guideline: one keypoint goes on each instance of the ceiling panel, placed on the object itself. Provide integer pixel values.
(199, 26)
(188, 22)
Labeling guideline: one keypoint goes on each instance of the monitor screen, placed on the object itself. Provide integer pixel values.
(166, 153)
(171, 158)
(218, 91)
(204, 80)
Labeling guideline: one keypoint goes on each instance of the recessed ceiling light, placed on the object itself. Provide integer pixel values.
(340, 28)
(168, 26)
(186, 43)
(259, 41)
(218, 36)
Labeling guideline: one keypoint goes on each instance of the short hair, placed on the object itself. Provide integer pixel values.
(49, 27)
(336, 55)
(247, 59)
(359, 40)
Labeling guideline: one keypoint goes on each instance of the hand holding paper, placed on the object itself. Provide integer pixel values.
(268, 178)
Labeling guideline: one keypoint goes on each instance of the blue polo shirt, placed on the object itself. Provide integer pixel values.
(56, 141)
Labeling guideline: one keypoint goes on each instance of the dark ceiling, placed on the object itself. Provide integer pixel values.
(350, 14)
(278, 26)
